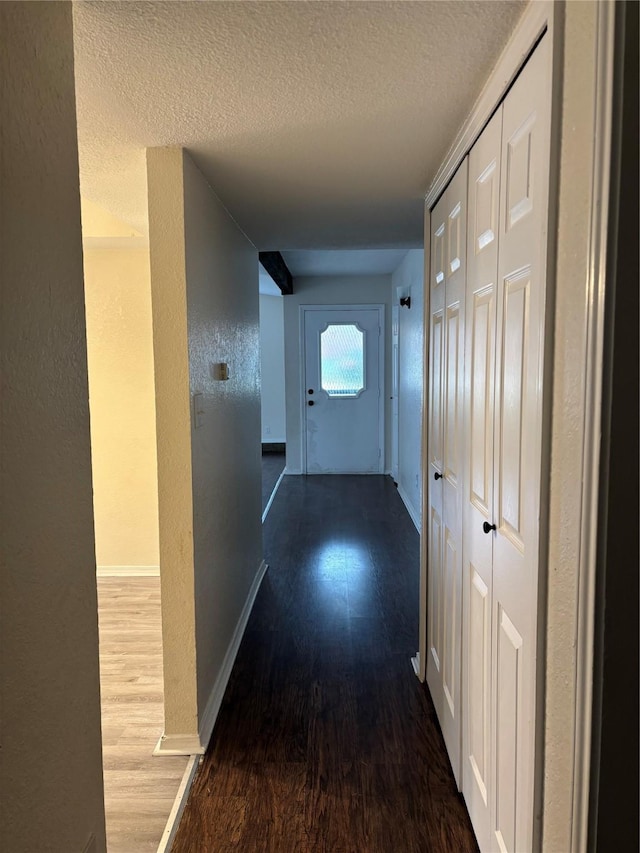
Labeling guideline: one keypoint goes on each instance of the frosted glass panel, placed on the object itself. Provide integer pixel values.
(342, 360)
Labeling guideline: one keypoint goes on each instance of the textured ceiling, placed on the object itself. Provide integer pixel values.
(318, 124)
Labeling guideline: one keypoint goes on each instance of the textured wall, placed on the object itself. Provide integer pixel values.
(272, 368)
(567, 440)
(333, 290)
(173, 436)
(223, 326)
(204, 284)
(122, 404)
(409, 277)
(50, 773)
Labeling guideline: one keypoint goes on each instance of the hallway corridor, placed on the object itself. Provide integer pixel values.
(326, 741)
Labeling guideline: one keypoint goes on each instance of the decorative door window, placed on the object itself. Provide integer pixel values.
(342, 360)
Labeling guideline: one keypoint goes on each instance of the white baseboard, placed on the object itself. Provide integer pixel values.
(179, 745)
(128, 571)
(289, 470)
(197, 744)
(273, 494)
(215, 699)
(415, 663)
(415, 516)
(179, 803)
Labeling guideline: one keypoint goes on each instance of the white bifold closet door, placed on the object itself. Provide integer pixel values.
(505, 298)
(480, 350)
(447, 294)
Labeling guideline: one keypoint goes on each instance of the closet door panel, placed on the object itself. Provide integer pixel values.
(518, 448)
(435, 391)
(453, 396)
(447, 293)
(434, 628)
(453, 402)
(477, 491)
(481, 319)
(511, 462)
(478, 698)
(435, 417)
(508, 698)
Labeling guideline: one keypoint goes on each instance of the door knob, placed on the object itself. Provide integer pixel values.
(310, 391)
(488, 527)
(437, 476)
(310, 403)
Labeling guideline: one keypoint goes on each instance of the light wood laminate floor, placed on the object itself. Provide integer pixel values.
(139, 788)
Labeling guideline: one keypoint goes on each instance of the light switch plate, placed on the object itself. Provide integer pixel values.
(221, 371)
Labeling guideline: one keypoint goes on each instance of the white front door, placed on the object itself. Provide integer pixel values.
(343, 394)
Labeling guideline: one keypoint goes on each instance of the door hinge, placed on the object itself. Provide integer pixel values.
(379, 452)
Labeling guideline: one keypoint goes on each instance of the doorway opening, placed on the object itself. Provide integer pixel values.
(139, 788)
(272, 388)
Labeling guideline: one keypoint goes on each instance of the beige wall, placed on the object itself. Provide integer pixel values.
(122, 405)
(51, 795)
(204, 275)
(173, 438)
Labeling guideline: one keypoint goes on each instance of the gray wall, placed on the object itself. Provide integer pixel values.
(331, 290)
(223, 326)
(51, 765)
(409, 279)
(272, 368)
(204, 282)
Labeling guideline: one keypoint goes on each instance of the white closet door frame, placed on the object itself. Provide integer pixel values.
(538, 19)
(566, 820)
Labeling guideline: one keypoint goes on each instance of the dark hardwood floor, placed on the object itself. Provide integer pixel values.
(272, 466)
(326, 741)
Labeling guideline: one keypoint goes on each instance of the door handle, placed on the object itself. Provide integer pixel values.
(437, 476)
(310, 403)
(488, 527)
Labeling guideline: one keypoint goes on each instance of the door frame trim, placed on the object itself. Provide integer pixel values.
(595, 316)
(302, 311)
